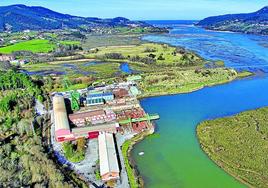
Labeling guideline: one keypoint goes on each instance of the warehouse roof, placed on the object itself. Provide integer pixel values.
(107, 152)
(119, 93)
(134, 90)
(100, 95)
(84, 115)
(60, 114)
(99, 127)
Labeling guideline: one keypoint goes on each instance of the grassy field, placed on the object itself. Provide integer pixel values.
(162, 54)
(94, 41)
(35, 46)
(244, 74)
(238, 144)
(171, 81)
(126, 30)
(70, 42)
(76, 69)
(170, 75)
(73, 87)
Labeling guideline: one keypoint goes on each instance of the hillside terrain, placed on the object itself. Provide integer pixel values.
(251, 23)
(20, 17)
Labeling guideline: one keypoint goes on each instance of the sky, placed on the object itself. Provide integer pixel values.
(146, 9)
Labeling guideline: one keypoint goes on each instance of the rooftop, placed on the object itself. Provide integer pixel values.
(107, 152)
(100, 94)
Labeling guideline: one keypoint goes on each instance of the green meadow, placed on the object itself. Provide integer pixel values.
(35, 46)
(161, 54)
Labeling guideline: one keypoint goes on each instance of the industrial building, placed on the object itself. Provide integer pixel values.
(120, 93)
(106, 111)
(134, 91)
(94, 131)
(99, 98)
(62, 127)
(92, 117)
(63, 132)
(109, 168)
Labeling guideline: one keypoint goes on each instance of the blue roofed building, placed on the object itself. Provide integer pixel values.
(99, 98)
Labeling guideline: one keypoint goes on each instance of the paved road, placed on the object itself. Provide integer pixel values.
(39, 108)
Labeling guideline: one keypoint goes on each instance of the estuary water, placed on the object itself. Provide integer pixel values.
(174, 158)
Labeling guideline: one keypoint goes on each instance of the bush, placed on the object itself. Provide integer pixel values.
(73, 153)
(161, 57)
(146, 60)
(148, 50)
(113, 56)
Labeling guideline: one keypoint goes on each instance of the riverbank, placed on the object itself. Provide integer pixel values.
(181, 113)
(237, 144)
(135, 181)
(188, 81)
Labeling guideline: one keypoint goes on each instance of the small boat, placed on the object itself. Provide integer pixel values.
(141, 153)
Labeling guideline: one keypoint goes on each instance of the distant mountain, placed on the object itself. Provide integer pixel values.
(254, 23)
(21, 17)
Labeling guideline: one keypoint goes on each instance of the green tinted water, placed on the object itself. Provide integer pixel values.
(175, 159)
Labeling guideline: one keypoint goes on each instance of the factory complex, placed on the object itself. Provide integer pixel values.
(100, 113)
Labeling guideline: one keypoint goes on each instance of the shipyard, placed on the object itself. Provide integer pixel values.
(102, 118)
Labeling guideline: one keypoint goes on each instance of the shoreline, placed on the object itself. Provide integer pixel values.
(133, 141)
(232, 32)
(221, 167)
(134, 179)
(219, 164)
(219, 161)
(238, 77)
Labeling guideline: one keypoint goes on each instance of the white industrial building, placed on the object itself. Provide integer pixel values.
(109, 169)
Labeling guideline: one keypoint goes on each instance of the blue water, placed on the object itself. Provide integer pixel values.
(125, 68)
(175, 158)
(243, 52)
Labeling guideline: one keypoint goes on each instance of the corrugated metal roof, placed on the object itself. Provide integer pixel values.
(134, 90)
(107, 152)
(99, 127)
(100, 95)
(86, 114)
(60, 114)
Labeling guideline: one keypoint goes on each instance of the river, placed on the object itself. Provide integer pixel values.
(174, 159)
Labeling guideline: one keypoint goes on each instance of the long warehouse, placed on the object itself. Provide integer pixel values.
(109, 169)
(62, 127)
(63, 132)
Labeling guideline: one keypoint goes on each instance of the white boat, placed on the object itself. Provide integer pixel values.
(141, 153)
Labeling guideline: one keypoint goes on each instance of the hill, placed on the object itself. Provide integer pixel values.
(22, 17)
(252, 23)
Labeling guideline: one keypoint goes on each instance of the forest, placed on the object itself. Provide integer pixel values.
(24, 161)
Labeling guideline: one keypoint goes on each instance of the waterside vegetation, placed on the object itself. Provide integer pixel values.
(238, 144)
(172, 81)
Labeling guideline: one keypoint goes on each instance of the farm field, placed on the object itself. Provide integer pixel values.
(35, 46)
